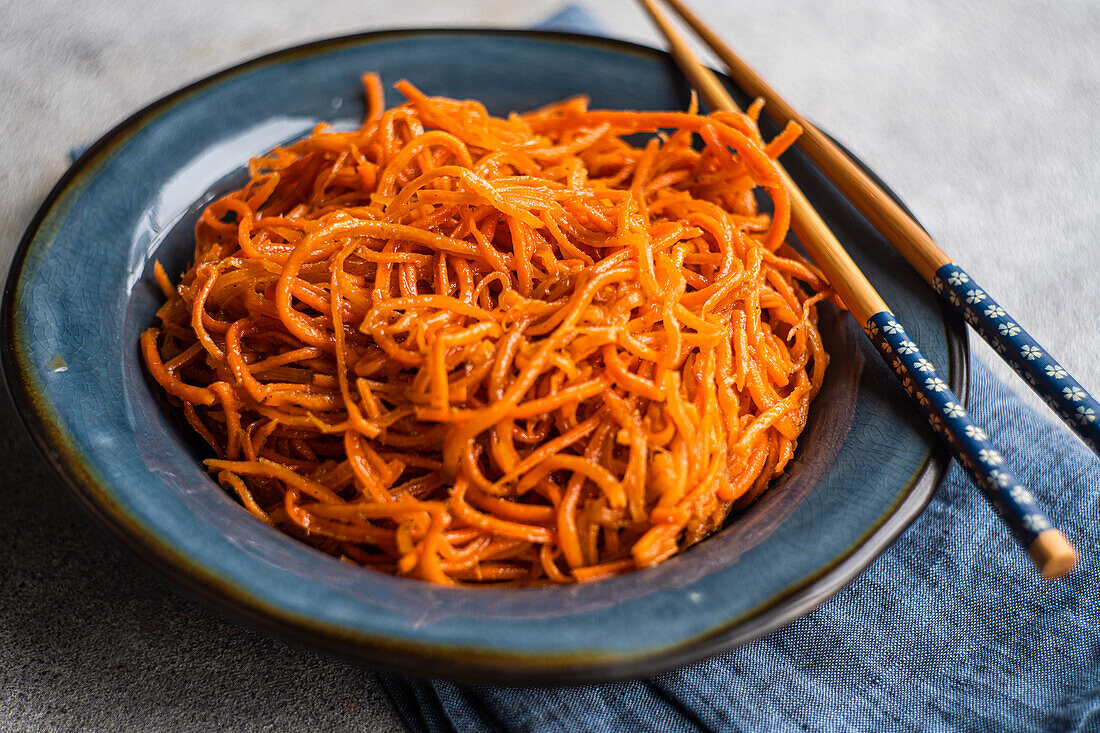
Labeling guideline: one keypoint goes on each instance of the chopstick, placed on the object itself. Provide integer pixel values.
(1047, 547)
(1050, 380)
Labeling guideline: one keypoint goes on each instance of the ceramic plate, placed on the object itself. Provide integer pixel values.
(80, 292)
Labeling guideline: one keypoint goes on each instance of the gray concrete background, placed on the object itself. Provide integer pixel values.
(981, 115)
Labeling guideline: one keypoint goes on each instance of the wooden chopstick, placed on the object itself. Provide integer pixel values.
(1064, 394)
(1046, 546)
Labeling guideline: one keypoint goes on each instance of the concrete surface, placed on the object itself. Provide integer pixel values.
(981, 115)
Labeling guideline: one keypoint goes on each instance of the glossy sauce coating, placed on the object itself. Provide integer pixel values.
(471, 349)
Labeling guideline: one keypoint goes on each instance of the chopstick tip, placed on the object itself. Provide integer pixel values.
(1052, 554)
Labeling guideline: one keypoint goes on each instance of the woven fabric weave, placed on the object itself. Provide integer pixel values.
(950, 629)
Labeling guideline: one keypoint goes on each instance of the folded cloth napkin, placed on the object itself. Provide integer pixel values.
(950, 629)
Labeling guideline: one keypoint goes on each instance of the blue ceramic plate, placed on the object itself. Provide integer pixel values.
(80, 292)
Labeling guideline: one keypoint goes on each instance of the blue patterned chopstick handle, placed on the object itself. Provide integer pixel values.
(968, 443)
(1047, 377)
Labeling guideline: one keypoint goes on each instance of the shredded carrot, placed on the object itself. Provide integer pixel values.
(522, 350)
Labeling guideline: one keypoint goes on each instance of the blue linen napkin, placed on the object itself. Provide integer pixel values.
(950, 629)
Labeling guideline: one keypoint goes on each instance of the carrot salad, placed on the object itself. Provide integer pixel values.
(474, 349)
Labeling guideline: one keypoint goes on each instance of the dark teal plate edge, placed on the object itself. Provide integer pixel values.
(490, 667)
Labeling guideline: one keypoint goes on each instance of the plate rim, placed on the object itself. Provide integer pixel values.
(434, 660)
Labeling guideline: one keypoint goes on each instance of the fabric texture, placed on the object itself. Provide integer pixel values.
(951, 629)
